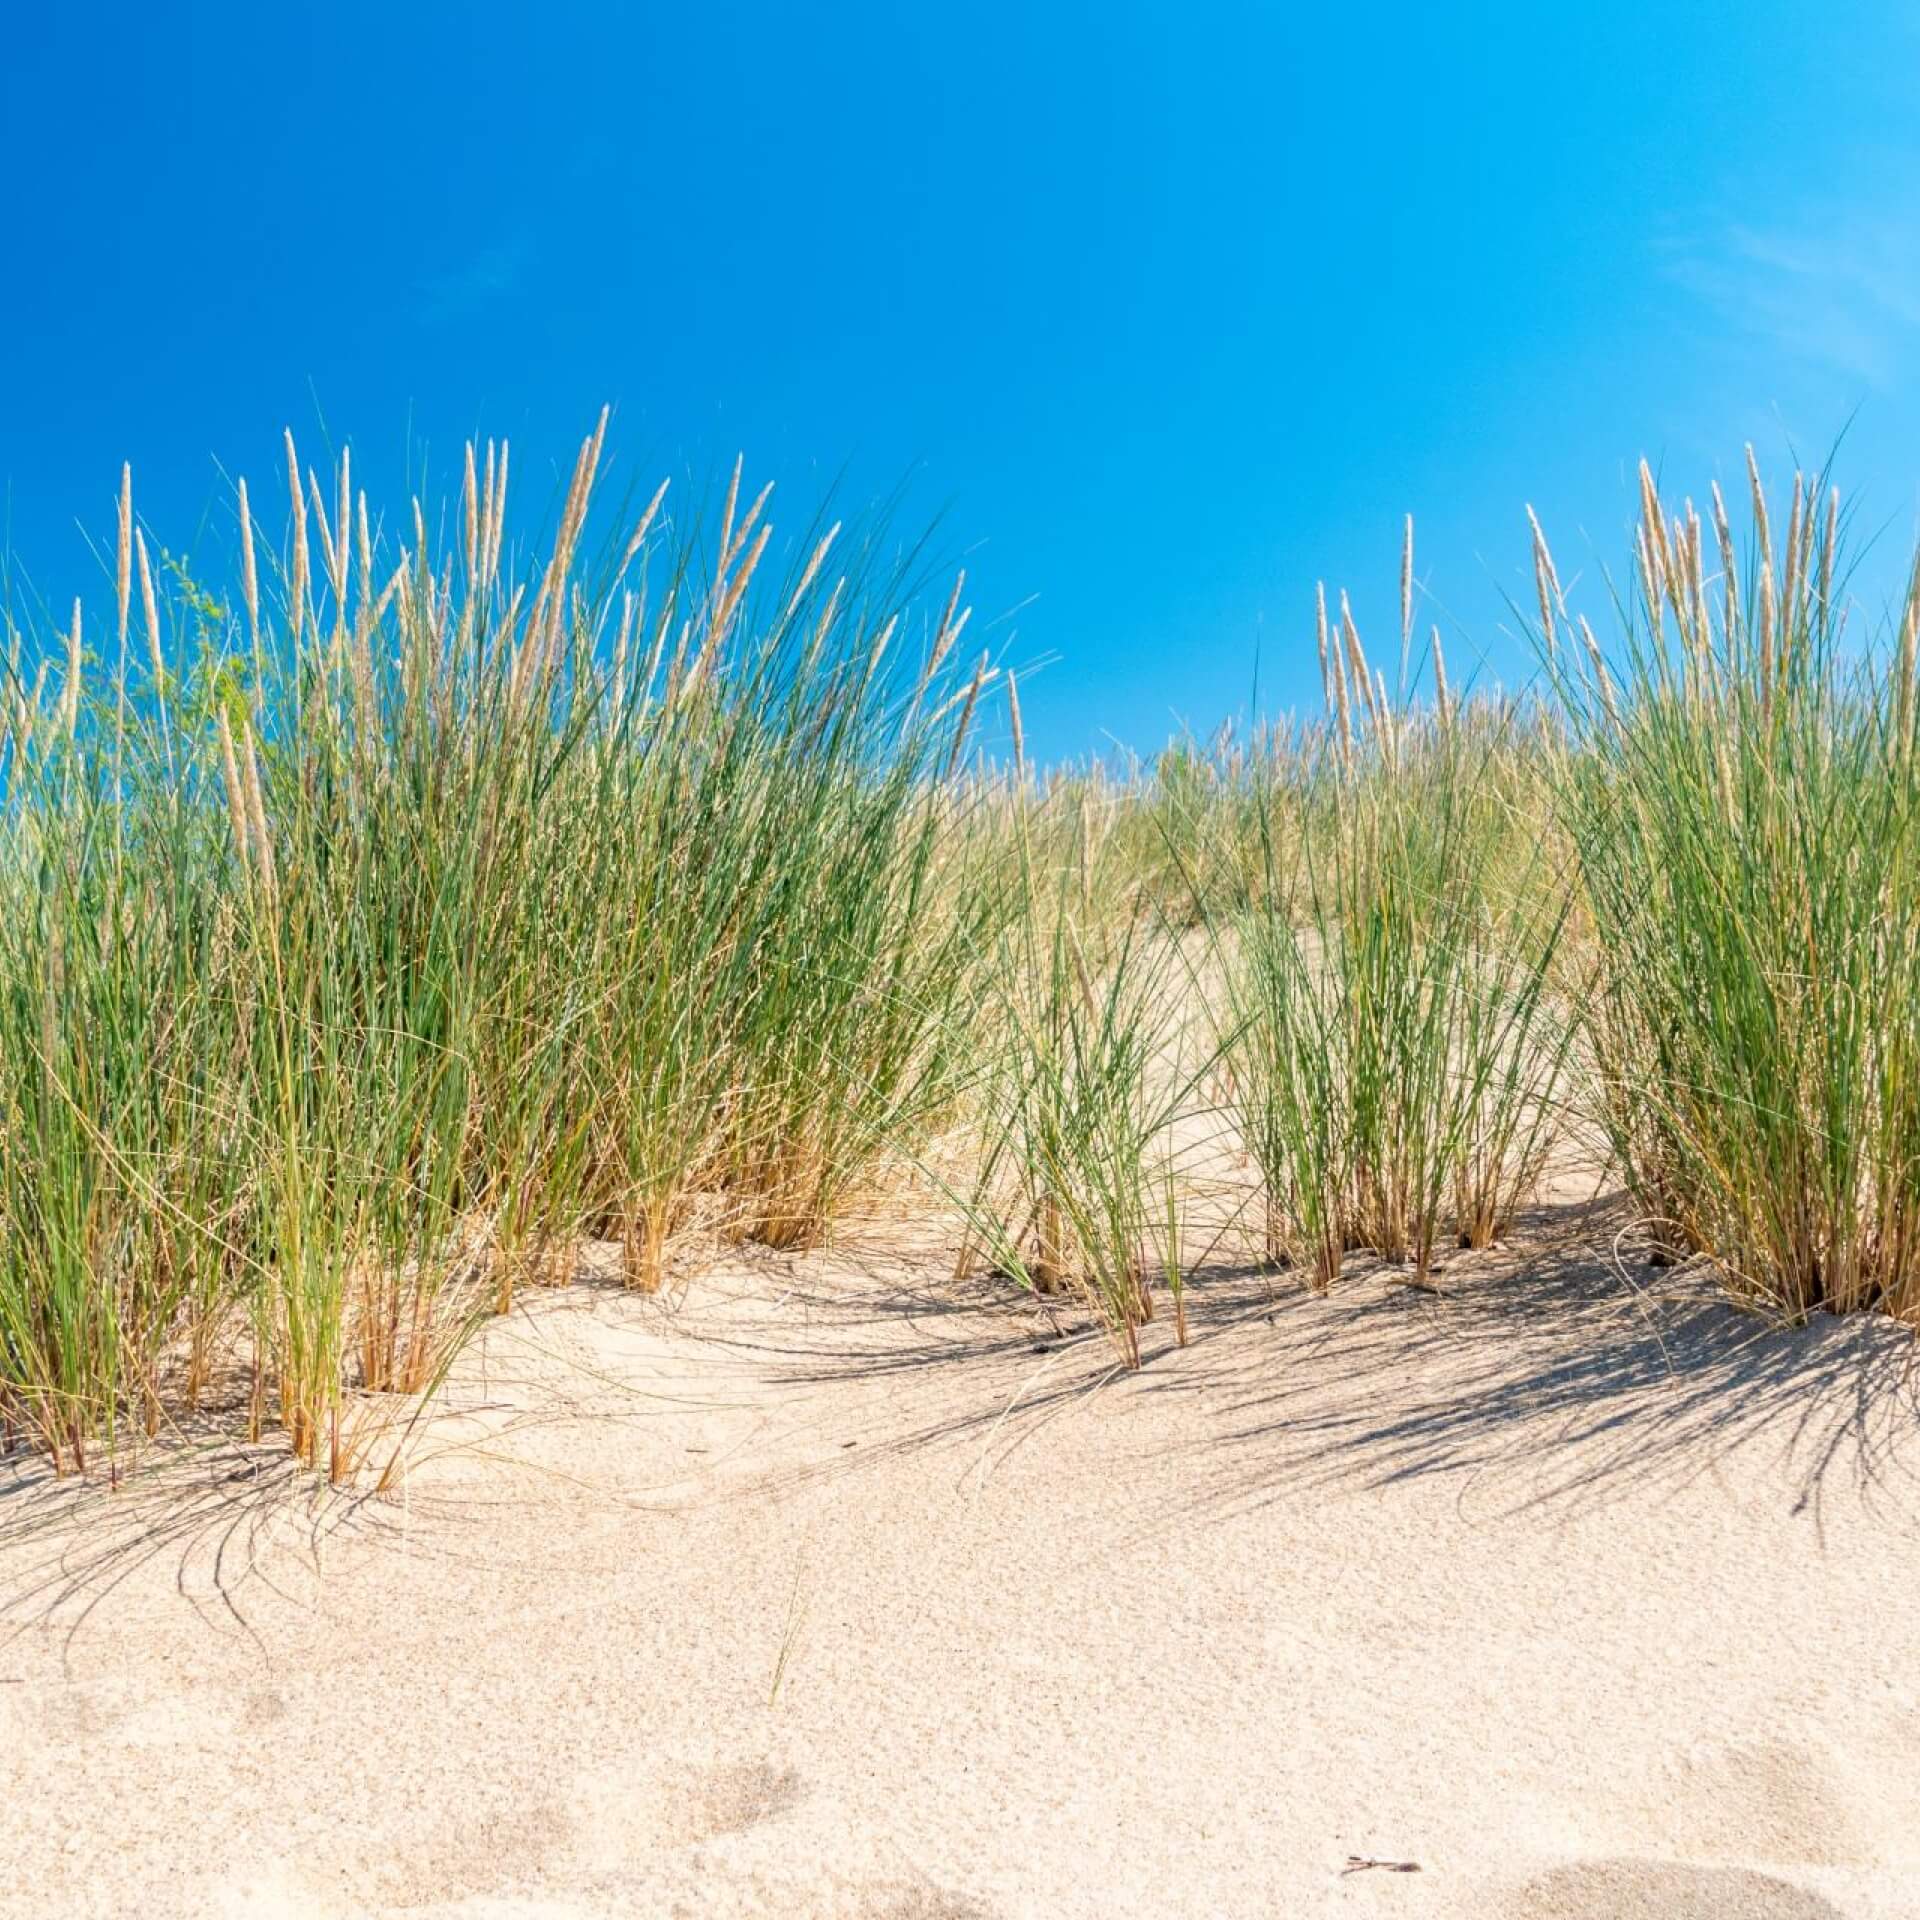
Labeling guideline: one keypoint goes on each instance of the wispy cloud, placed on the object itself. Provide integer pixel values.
(1834, 286)
(460, 291)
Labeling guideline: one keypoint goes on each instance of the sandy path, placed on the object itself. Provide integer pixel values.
(829, 1596)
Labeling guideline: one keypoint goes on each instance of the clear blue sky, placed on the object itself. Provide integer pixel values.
(1171, 308)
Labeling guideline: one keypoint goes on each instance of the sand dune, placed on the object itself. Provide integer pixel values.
(830, 1593)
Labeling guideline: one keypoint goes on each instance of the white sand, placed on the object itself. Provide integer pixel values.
(1588, 1607)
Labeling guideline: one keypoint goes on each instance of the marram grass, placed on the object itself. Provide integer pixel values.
(1741, 789)
(373, 936)
(367, 945)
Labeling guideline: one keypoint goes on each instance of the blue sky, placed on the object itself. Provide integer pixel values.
(1168, 310)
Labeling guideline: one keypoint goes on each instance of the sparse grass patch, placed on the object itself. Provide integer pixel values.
(1393, 1054)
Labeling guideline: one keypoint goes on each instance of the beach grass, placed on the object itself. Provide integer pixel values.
(378, 930)
(1738, 779)
(373, 940)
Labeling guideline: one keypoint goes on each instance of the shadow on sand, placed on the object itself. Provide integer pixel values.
(1555, 1371)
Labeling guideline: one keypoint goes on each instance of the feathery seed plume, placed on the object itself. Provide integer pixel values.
(70, 692)
(147, 604)
(1406, 596)
(1766, 633)
(1320, 633)
(343, 531)
(1362, 673)
(298, 584)
(470, 515)
(256, 810)
(123, 571)
(1546, 583)
(646, 521)
(249, 578)
(812, 567)
(365, 540)
(1797, 532)
(726, 522)
(979, 680)
(236, 793)
(1759, 506)
(499, 518)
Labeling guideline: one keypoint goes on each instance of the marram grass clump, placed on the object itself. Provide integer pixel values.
(1741, 788)
(366, 944)
(1393, 1052)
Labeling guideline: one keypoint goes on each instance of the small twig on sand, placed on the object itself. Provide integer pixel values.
(1360, 1863)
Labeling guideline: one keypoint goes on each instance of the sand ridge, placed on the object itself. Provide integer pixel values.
(833, 1588)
